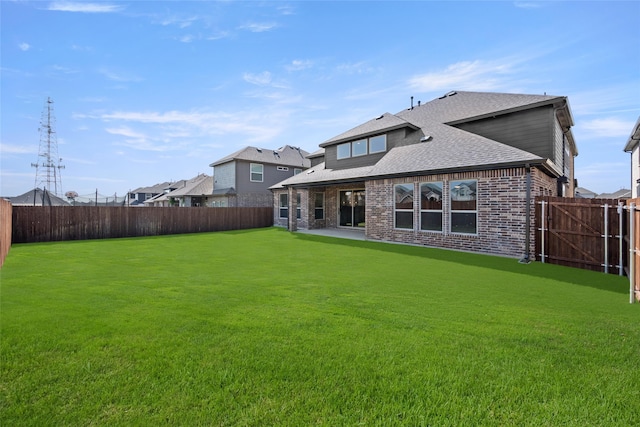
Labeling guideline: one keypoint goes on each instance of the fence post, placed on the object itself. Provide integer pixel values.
(542, 230)
(620, 239)
(632, 251)
(606, 238)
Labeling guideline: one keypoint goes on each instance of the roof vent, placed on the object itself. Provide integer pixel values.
(426, 138)
(380, 116)
(259, 150)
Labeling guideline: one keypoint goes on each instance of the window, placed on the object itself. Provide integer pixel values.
(284, 205)
(283, 168)
(431, 206)
(377, 144)
(404, 206)
(257, 172)
(344, 150)
(296, 171)
(319, 206)
(359, 148)
(298, 207)
(464, 207)
(362, 147)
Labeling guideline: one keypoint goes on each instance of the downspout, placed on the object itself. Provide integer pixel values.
(527, 256)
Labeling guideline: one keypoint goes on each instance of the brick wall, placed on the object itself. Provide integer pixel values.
(501, 212)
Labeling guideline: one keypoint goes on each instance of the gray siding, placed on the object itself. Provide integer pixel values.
(271, 176)
(531, 131)
(395, 138)
(224, 176)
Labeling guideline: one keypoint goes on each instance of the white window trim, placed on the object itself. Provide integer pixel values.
(338, 151)
(366, 147)
(286, 206)
(251, 172)
(441, 211)
(412, 210)
(452, 211)
(283, 168)
(379, 151)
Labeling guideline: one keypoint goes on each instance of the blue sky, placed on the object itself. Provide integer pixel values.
(152, 91)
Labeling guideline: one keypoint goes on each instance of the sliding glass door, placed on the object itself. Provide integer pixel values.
(351, 212)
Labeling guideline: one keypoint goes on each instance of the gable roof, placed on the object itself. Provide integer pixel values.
(384, 123)
(445, 147)
(201, 184)
(285, 156)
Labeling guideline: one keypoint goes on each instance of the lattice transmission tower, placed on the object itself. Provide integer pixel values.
(49, 164)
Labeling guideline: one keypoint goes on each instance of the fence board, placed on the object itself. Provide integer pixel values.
(56, 223)
(5, 229)
(576, 235)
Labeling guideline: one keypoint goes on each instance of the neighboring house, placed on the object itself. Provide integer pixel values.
(195, 192)
(37, 197)
(623, 193)
(461, 172)
(632, 147)
(243, 178)
(140, 195)
(583, 193)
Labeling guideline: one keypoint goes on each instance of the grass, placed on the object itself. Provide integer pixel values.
(265, 327)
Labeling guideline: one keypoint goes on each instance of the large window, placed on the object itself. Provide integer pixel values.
(362, 147)
(464, 207)
(257, 172)
(284, 205)
(403, 206)
(431, 206)
(377, 144)
(344, 150)
(359, 148)
(319, 206)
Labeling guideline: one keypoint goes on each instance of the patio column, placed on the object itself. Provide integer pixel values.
(293, 208)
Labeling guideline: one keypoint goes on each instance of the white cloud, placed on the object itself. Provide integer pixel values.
(261, 79)
(68, 6)
(24, 46)
(355, 68)
(467, 75)
(259, 27)
(606, 127)
(171, 130)
(18, 149)
(118, 77)
(298, 65)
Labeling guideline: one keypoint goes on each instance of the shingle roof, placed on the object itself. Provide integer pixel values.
(383, 123)
(448, 147)
(201, 184)
(154, 189)
(285, 156)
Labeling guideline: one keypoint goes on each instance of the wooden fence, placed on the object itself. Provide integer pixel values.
(592, 234)
(56, 223)
(5, 229)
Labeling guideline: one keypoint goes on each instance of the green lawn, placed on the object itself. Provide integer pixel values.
(265, 327)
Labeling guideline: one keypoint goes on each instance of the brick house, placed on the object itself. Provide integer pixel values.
(458, 172)
(243, 178)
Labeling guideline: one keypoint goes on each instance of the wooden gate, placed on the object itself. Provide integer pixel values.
(582, 233)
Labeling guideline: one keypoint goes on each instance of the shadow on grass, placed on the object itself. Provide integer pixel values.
(594, 279)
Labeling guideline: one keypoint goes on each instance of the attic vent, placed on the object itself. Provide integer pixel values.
(380, 116)
(259, 150)
(452, 93)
